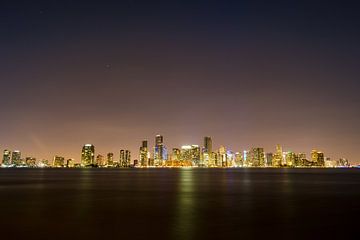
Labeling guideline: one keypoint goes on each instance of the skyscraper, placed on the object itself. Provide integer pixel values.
(16, 158)
(195, 155)
(6, 158)
(143, 154)
(160, 153)
(278, 156)
(125, 158)
(257, 157)
(207, 145)
(100, 160)
(88, 155)
(110, 159)
(59, 161)
(317, 158)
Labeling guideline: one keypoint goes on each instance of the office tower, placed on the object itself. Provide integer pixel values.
(257, 157)
(125, 158)
(290, 159)
(176, 154)
(278, 157)
(222, 157)
(246, 159)
(16, 158)
(239, 161)
(195, 155)
(6, 158)
(43, 163)
(300, 160)
(59, 161)
(30, 162)
(230, 157)
(317, 158)
(70, 163)
(143, 154)
(88, 155)
(186, 156)
(100, 160)
(269, 159)
(207, 145)
(110, 159)
(160, 153)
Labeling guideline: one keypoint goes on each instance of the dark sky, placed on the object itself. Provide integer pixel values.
(247, 73)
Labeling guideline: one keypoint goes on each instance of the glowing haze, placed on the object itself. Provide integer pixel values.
(115, 73)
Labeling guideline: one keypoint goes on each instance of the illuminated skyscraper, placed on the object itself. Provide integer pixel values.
(195, 155)
(278, 157)
(70, 163)
(317, 158)
(16, 158)
(88, 155)
(6, 158)
(186, 155)
(110, 159)
(269, 159)
(58, 161)
(144, 154)
(222, 157)
(257, 157)
(125, 158)
(239, 161)
(160, 153)
(207, 145)
(290, 159)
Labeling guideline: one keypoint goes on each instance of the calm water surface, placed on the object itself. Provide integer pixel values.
(179, 203)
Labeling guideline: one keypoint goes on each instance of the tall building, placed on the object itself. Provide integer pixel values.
(290, 159)
(257, 157)
(144, 154)
(277, 160)
(239, 161)
(269, 159)
(6, 158)
(186, 156)
(207, 145)
(222, 157)
(70, 163)
(160, 153)
(317, 158)
(110, 159)
(16, 158)
(195, 155)
(59, 161)
(88, 155)
(125, 158)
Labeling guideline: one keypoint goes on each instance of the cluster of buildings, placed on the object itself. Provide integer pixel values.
(185, 156)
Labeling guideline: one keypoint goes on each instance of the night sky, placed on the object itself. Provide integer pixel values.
(112, 73)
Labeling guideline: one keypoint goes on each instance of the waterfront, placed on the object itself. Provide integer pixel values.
(179, 203)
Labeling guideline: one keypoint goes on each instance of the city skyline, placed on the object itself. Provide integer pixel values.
(162, 155)
(245, 73)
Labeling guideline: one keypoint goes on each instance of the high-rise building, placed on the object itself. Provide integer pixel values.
(269, 159)
(59, 161)
(16, 158)
(160, 153)
(239, 161)
(110, 159)
(300, 160)
(186, 155)
(207, 145)
(277, 160)
(290, 159)
(88, 155)
(195, 155)
(6, 158)
(222, 157)
(317, 158)
(144, 154)
(257, 157)
(125, 158)
(343, 162)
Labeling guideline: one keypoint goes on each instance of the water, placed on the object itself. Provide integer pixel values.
(179, 203)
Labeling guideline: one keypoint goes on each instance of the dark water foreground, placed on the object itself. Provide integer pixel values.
(179, 204)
